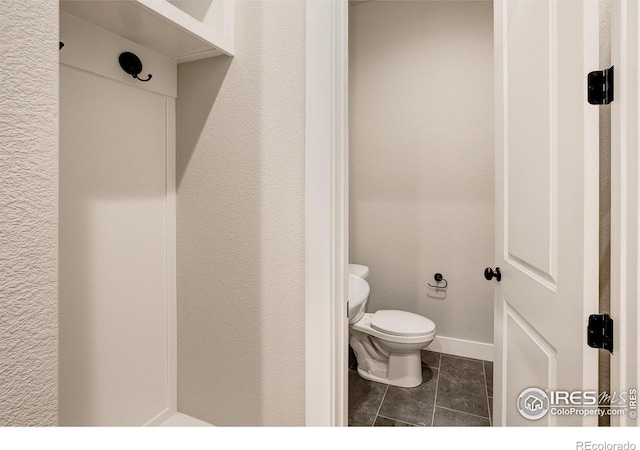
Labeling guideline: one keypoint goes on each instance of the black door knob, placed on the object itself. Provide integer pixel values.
(489, 274)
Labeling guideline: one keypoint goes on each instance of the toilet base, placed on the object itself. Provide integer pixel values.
(404, 370)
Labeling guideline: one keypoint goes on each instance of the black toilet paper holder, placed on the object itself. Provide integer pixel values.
(438, 277)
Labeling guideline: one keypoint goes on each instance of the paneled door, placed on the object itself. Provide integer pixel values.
(546, 207)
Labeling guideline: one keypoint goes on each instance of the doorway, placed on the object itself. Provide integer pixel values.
(421, 201)
(333, 16)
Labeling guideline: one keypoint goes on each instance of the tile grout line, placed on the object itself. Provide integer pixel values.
(486, 391)
(401, 421)
(462, 357)
(464, 412)
(435, 397)
(380, 406)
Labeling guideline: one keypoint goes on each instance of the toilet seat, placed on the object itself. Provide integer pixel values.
(401, 323)
(364, 326)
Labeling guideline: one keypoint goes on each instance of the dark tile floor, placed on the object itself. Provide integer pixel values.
(455, 392)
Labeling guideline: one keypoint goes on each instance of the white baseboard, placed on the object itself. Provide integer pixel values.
(461, 347)
(160, 417)
(183, 420)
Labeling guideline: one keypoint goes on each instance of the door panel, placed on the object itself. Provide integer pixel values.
(546, 202)
(530, 153)
(530, 361)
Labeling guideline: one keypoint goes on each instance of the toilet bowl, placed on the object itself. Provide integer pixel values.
(386, 343)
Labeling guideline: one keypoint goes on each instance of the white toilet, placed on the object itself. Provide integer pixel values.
(387, 343)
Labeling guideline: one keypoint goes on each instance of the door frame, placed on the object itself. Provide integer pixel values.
(326, 213)
(625, 200)
(326, 209)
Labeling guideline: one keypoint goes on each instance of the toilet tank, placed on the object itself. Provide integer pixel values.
(359, 270)
(358, 296)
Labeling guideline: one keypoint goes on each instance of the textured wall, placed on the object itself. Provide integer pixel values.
(28, 212)
(422, 158)
(241, 224)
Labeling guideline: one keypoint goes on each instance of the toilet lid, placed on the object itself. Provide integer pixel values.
(401, 323)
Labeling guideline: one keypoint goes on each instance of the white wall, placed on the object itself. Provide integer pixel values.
(28, 212)
(117, 233)
(422, 158)
(241, 224)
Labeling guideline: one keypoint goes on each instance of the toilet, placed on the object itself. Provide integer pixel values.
(386, 343)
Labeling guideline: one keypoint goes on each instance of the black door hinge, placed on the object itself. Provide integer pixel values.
(600, 332)
(600, 87)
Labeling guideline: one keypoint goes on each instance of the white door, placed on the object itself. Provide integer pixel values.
(546, 206)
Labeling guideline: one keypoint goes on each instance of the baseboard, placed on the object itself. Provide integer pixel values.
(461, 347)
(183, 420)
(160, 417)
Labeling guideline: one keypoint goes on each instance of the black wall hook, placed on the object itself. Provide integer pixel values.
(131, 64)
(61, 45)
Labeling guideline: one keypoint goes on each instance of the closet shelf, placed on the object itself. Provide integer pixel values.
(155, 24)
